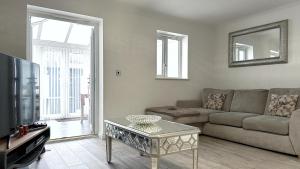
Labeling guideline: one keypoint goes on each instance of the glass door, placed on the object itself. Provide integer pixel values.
(63, 51)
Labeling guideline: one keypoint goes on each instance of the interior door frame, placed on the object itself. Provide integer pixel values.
(96, 52)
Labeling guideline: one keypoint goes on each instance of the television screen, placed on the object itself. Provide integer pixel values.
(19, 93)
(7, 113)
(27, 91)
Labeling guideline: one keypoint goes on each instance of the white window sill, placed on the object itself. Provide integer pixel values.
(170, 78)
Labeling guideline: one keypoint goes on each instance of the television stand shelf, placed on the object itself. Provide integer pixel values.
(24, 150)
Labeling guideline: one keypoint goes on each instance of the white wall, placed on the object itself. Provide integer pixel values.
(12, 27)
(130, 46)
(266, 76)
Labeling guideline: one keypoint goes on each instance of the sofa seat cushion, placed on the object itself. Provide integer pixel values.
(181, 112)
(234, 119)
(182, 115)
(174, 111)
(266, 123)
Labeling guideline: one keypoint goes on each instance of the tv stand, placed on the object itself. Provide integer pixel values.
(24, 150)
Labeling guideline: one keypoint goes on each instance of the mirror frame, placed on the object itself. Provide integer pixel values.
(283, 54)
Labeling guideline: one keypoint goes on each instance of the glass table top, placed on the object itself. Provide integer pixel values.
(159, 128)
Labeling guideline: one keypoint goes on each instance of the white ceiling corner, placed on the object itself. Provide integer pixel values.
(211, 11)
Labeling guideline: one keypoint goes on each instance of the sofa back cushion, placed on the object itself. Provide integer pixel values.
(228, 94)
(249, 101)
(282, 91)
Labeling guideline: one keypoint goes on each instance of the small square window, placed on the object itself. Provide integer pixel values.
(171, 56)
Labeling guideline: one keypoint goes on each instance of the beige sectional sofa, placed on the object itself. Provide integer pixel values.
(244, 118)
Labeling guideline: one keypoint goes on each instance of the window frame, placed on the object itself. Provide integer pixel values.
(164, 37)
(244, 48)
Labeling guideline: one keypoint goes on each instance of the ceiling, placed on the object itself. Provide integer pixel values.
(211, 11)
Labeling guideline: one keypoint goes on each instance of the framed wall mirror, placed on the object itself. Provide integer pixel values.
(266, 44)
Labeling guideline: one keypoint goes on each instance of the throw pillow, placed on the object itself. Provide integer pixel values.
(282, 105)
(215, 101)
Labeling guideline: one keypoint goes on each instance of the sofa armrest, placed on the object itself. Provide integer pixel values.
(189, 103)
(294, 131)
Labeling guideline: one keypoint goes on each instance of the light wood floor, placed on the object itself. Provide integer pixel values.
(213, 154)
(68, 128)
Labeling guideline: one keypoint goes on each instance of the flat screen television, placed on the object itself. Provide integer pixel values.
(19, 93)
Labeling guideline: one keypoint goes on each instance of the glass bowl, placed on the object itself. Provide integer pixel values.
(143, 119)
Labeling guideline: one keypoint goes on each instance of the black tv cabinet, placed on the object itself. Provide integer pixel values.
(24, 150)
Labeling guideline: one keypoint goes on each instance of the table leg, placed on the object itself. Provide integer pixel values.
(195, 159)
(108, 149)
(154, 163)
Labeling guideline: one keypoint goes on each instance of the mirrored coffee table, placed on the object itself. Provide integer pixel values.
(155, 140)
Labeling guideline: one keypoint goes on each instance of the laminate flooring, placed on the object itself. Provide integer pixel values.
(213, 154)
(68, 128)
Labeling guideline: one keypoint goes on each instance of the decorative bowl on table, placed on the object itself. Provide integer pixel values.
(143, 119)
